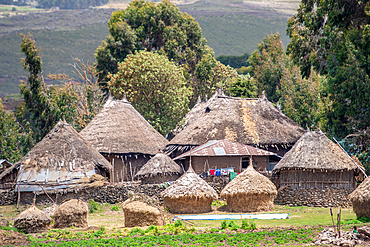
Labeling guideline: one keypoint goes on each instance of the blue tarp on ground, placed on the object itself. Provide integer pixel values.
(232, 217)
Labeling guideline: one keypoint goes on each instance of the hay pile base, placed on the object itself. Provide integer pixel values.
(188, 205)
(360, 199)
(32, 220)
(12, 238)
(71, 213)
(138, 214)
(249, 203)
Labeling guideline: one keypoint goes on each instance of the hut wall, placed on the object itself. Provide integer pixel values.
(159, 179)
(299, 179)
(7, 182)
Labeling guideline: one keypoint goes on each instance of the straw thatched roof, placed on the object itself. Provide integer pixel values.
(315, 151)
(190, 185)
(249, 182)
(159, 165)
(119, 129)
(248, 121)
(362, 192)
(59, 158)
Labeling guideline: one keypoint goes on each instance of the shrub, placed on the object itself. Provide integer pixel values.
(93, 206)
(115, 208)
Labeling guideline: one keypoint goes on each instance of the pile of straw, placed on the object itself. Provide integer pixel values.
(189, 194)
(250, 191)
(360, 199)
(71, 213)
(139, 214)
(32, 220)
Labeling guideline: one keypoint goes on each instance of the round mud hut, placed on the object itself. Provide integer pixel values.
(254, 122)
(32, 220)
(123, 137)
(250, 191)
(159, 169)
(360, 199)
(71, 213)
(316, 162)
(189, 194)
(139, 214)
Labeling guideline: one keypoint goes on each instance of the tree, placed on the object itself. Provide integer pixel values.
(244, 86)
(71, 4)
(235, 62)
(333, 39)
(160, 28)
(155, 86)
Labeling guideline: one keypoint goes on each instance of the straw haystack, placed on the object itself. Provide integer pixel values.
(315, 161)
(250, 191)
(71, 213)
(139, 214)
(159, 169)
(32, 220)
(189, 194)
(124, 137)
(59, 160)
(248, 121)
(360, 199)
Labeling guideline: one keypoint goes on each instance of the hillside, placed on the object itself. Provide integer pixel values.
(231, 28)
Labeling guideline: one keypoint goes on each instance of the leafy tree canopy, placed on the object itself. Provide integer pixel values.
(155, 86)
(244, 86)
(235, 62)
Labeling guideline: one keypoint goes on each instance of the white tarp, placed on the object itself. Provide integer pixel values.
(232, 217)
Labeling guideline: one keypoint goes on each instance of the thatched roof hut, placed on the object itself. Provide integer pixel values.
(250, 191)
(124, 137)
(316, 161)
(189, 194)
(360, 199)
(32, 220)
(60, 160)
(159, 169)
(248, 121)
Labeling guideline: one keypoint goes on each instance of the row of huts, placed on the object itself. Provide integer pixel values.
(223, 132)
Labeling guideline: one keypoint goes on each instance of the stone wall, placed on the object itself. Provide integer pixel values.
(314, 197)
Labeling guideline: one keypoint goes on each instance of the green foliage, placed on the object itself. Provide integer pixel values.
(244, 86)
(8, 228)
(155, 86)
(218, 203)
(234, 61)
(93, 206)
(224, 224)
(71, 4)
(115, 208)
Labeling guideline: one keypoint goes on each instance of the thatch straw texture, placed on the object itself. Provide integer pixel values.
(189, 194)
(248, 121)
(32, 220)
(139, 214)
(360, 199)
(119, 129)
(314, 151)
(71, 213)
(160, 167)
(250, 191)
(61, 156)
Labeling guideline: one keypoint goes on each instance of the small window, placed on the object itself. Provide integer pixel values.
(245, 162)
(207, 109)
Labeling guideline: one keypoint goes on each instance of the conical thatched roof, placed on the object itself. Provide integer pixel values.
(118, 128)
(190, 185)
(60, 158)
(315, 151)
(160, 164)
(362, 192)
(248, 121)
(249, 182)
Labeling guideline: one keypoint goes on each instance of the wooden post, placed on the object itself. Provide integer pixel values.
(113, 169)
(241, 164)
(132, 178)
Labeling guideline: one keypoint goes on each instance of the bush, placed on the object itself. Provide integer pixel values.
(223, 224)
(115, 208)
(93, 206)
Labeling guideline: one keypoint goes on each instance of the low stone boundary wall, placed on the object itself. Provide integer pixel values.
(314, 197)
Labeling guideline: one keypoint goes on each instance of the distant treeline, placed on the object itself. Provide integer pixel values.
(11, 2)
(234, 61)
(71, 4)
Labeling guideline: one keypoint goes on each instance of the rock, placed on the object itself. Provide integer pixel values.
(364, 230)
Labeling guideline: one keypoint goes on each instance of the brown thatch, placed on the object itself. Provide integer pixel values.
(250, 191)
(248, 121)
(314, 151)
(71, 213)
(12, 238)
(189, 194)
(32, 220)
(61, 158)
(120, 129)
(139, 214)
(360, 199)
(161, 168)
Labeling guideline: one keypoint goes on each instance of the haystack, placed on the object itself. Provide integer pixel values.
(71, 213)
(189, 194)
(250, 191)
(360, 199)
(59, 161)
(124, 137)
(159, 169)
(315, 161)
(32, 220)
(139, 214)
(248, 121)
